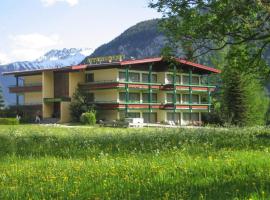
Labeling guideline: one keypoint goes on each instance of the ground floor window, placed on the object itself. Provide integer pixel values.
(122, 115)
(150, 117)
(174, 117)
(191, 116)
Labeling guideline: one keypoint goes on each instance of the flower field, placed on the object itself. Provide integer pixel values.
(101, 163)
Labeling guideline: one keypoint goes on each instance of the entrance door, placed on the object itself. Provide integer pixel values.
(56, 110)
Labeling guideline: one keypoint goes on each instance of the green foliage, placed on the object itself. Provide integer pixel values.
(2, 102)
(81, 103)
(88, 118)
(244, 100)
(9, 121)
(101, 163)
(208, 25)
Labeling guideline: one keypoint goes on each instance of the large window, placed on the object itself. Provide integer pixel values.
(149, 117)
(185, 79)
(195, 117)
(174, 117)
(170, 79)
(185, 98)
(170, 98)
(134, 77)
(146, 76)
(146, 98)
(195, 80)
(195, 99)
(122, 76)
(122, 96)
(134, 115)
(89, 78)
(134, 97)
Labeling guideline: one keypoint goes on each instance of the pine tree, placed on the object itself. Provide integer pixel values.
(2, 102)
(244, 100)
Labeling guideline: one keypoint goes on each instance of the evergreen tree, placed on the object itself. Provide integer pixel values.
(2, 102)
(244, 100)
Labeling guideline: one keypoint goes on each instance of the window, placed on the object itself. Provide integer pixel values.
(145, 78)
(175, 117)
(122, 76)
(149, 117)
(195, 99)
(195, 117)
(89, 78)
(134, 115)
(195, 80)
(134, 97)
(186, 116)
(146, 97)
(185, 80)
(122, 96)
(170, 79)
(154, 78)
(204, 99)
(185, 98)
(134, 77)
(169, 98)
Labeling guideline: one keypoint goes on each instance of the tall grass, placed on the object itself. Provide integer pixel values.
(103, 163)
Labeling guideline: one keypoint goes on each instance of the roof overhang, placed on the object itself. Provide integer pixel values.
(110, 65)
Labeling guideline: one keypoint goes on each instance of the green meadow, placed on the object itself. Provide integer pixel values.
(43, 162)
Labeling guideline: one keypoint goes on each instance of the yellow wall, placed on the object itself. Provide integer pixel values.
(32, 79)
(74, 79)
(65, 112)
(106, 95)
(32, 97)
(47, 84)
(47, 110)
(105, 75)
(161, 77)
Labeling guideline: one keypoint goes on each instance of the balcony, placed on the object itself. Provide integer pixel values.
(170, 106)
(36, 87)
(185, 87)
(57, 99)
(114, 84)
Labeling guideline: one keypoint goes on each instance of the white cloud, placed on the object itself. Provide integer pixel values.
(48, 3)
(31, 46)
(4, 59)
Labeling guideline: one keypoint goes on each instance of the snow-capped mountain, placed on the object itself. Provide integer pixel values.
(52, 59)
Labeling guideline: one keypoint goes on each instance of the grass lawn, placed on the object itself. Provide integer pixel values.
(38, 162)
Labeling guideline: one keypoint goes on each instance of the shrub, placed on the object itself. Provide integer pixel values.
(88, 118)
(9, 121)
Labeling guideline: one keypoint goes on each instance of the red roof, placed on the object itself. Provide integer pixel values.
(182, 61)
(141, 61)
(78, 67)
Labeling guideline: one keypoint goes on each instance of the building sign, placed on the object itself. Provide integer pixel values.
(105, 59)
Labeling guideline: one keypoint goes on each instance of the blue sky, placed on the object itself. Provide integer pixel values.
(29, 28)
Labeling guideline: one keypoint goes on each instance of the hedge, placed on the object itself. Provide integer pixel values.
(9, 121)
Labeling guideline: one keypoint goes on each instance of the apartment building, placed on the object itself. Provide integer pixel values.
(153, 89)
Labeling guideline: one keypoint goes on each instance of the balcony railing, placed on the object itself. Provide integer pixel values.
(35, 87)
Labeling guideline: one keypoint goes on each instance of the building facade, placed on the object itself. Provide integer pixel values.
(152, 89)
